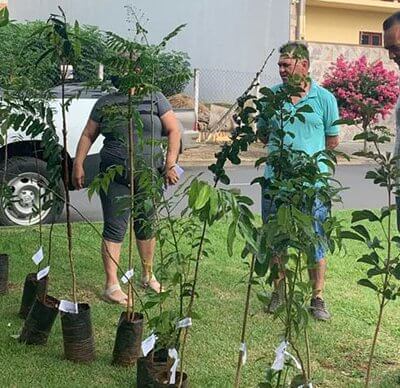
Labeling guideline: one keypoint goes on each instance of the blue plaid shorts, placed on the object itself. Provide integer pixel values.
(320, 212)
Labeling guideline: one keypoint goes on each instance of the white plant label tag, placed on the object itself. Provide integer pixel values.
(243, 349)
(148, 344)
(43, 273)
(68, 307)
(281, 354)
(128, 274)
(172, 353)
(185, 322)
(279, 361)
(296, 362)
(179, 170)
(38, 256)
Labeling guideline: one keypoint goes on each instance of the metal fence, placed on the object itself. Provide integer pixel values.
(224, 86)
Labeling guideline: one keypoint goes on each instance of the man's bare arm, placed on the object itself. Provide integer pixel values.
(331, 142)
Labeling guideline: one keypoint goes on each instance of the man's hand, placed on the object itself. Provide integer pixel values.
(331, 142)
(78, 176)
(171, 176)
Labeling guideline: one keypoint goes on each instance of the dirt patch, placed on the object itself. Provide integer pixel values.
(204, 153)
(184, 101)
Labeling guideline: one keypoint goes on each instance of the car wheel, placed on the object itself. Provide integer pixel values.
(26, 182)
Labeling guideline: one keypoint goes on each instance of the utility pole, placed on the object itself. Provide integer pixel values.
(301, 20)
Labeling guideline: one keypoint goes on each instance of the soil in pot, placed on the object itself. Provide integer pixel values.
(3, 273)
(153, 372)
(32, 288)
(78, 335)
(128, 340)
(40, 320)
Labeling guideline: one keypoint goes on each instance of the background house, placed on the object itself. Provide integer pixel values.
(227, 40)
(351, 28)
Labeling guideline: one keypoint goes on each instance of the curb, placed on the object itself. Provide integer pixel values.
(250, 162)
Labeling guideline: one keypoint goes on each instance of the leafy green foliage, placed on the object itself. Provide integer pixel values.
(382, 262)
(4, 17)
(34, 118)
(21, 49)
(102, 181)
(296, 186)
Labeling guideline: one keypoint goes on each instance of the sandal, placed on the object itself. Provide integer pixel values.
(152, 283)
(107, 296)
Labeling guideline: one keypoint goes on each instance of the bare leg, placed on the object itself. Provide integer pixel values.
(277, 297)
(281, 274)
(146, 250)
(113, 249)
(317, 276)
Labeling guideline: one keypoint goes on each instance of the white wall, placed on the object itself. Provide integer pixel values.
(233, 35)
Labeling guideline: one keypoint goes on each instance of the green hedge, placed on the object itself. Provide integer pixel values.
(20, 50)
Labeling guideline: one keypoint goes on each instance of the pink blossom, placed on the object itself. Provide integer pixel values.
(359, 86)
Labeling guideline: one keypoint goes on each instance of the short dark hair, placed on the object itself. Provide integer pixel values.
(296, 49)
(391, 20)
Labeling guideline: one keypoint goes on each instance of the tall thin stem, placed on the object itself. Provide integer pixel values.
(4, 190)
(306, 341)
(66, 184)
(40, 201)
(289, 303)
(131, 303)
(245, 318)
(192, 296)
(171, 227)
(385, 286)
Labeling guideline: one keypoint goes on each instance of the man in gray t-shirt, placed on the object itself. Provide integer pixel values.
(391, 28)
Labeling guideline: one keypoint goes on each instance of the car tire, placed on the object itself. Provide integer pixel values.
(26, 180)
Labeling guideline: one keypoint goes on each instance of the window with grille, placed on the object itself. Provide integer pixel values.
(370, 38)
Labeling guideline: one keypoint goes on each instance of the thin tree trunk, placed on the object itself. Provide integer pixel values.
(131, 301)
(66, 185)
(244, 325)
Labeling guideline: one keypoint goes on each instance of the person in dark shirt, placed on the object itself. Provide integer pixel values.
(391, 28)
(157, 117)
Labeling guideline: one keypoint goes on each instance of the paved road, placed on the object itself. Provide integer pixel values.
(361, 193)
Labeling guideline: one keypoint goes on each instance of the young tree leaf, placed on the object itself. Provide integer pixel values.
(346, 234)
(367, 283)
(360, 215)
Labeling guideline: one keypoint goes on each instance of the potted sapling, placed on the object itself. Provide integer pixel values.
(158, 366)
(44, 310)
(76, 322)
(35, 117)
(4, 259)
(133, 64)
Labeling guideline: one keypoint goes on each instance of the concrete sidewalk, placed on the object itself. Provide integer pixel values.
(204, 154)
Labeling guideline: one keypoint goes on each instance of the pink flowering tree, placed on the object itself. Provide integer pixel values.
(365, 92)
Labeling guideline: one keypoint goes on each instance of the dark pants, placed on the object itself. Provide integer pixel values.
(116, 209)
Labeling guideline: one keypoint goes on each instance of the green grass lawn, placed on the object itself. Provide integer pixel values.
(339, 348)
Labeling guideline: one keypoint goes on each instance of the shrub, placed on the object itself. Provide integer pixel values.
(362, 89)
(171, 63)
(20, 49)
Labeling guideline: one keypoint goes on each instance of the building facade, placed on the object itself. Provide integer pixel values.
(351, 28)
(227, 40)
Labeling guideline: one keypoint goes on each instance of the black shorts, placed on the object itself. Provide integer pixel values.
(116, 209)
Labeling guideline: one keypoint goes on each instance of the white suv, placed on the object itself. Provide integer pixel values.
(26, 173)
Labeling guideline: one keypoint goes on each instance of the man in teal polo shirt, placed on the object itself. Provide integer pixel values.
(316, 134)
